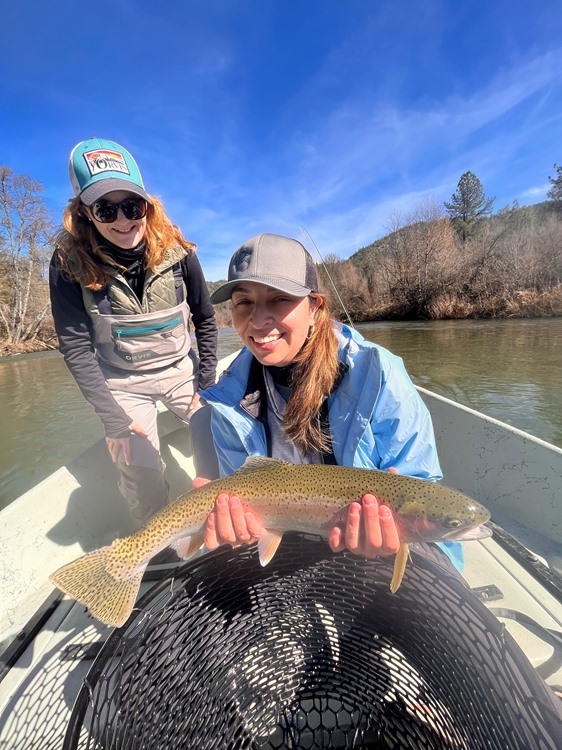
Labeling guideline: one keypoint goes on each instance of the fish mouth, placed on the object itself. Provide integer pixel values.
(421, 529)
(468, 535)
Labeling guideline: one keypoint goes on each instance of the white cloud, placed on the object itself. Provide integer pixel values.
(539, 191)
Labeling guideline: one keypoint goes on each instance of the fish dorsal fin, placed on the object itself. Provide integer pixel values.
(261, 463)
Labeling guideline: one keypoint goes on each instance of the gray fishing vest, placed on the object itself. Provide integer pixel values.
(131, 335)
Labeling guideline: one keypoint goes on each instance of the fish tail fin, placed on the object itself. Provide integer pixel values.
(87, 580)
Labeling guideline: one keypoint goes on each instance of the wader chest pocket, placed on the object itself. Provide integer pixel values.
(137, 341)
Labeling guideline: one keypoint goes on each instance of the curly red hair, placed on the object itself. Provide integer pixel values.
(80, 239)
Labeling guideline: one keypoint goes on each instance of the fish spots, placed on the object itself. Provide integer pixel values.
(304, 498)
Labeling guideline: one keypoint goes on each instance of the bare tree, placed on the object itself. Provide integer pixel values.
(25, 227)
(367, 262)
(347, 291)
(547, 255)
(418, 259)
(433, 253)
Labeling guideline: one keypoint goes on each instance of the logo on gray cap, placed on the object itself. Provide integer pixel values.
(241, 260)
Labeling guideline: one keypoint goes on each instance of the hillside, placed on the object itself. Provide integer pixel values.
(511, 265)
(525, 215)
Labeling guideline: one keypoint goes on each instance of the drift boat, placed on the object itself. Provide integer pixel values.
(48, 641)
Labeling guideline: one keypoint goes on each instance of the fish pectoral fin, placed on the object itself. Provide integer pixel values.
(187, 546)
(400, 563)
(268, 544)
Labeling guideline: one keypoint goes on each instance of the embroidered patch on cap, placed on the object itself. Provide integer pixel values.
(103, 160)
(241, 260)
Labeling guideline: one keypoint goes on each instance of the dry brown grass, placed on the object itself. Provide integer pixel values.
(530, 303)
(450, 306)
(24, 347)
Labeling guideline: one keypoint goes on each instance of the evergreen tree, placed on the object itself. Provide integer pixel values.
(468, 205)
(555, 192)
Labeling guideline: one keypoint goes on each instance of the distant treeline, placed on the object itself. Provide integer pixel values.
(455, 260)
(422, 269)
(510, 266)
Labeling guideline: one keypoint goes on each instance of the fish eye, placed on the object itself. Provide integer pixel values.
(452, 523)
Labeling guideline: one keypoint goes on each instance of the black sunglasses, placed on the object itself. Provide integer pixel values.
(106, 211)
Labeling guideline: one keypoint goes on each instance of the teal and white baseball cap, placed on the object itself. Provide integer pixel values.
(98, 166)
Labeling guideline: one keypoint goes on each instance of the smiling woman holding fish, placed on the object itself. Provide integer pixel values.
(309, 390)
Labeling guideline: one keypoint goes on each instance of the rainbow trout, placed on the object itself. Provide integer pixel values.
(286, 497)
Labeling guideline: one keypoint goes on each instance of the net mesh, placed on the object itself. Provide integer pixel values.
(312, 651)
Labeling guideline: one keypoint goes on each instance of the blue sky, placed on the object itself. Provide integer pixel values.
(270, 115)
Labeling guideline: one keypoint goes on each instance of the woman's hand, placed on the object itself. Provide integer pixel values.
(370, 530)
(195, 403)
(118, 446)
(231, 523)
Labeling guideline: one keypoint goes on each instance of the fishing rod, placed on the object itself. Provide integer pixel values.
(325, 267)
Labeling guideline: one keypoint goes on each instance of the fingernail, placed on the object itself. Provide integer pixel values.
(235, 502)
(368, 502)
(385, 513)
(222, 500)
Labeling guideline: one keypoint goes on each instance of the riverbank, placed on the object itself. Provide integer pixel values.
(24, 347)
(525, 306)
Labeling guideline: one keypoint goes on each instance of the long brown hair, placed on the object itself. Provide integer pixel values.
(314, 376)
(81, 248)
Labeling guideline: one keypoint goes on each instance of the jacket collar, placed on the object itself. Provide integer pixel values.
(254, 403)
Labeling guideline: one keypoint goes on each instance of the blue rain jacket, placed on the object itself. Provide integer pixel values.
(377, 418)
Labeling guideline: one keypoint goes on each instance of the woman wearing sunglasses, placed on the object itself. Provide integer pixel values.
(123, 284)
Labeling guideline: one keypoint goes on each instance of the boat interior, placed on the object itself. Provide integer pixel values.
(50, 643)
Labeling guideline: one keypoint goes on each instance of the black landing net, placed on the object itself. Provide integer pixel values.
(312, 651)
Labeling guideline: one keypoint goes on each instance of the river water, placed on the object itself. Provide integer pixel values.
(509, 369)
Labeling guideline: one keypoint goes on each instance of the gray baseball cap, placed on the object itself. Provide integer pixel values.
(272, 260)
